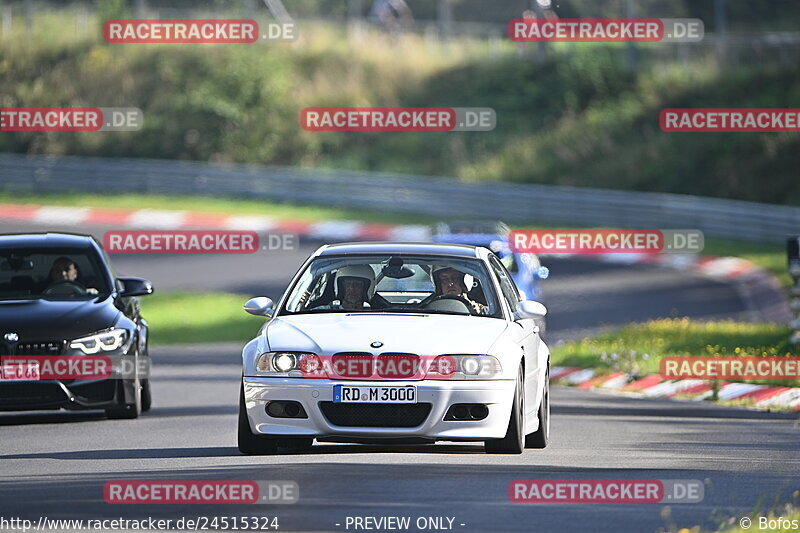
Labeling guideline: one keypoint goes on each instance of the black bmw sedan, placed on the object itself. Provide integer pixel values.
(71, 335)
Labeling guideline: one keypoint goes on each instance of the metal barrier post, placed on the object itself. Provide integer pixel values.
(793, 254)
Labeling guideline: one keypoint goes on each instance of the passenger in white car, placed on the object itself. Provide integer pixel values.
(355, 287)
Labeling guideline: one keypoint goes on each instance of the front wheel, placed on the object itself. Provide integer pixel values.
(147, 396)
(127, 410)
(540, 437)
(250, 444)
(514, 441)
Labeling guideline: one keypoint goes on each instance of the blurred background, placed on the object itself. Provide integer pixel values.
(567, 114)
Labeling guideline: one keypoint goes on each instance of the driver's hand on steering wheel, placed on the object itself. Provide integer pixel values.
(479, 309)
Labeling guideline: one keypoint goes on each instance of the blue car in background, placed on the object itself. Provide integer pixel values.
(525, 268)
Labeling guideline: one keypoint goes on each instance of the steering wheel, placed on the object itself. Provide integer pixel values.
(65, 287)
(453, 298)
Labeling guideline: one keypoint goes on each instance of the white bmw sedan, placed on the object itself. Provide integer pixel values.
(396, 343)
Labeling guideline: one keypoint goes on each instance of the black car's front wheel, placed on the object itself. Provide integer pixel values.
(128, 410)
(147, 396)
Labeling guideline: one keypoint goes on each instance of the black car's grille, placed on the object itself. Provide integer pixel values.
(40, 348)
(375, 414)
(30, 393)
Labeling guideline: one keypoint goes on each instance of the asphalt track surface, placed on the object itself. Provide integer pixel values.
(55, 464)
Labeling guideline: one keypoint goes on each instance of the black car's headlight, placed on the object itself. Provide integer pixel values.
(103, 341)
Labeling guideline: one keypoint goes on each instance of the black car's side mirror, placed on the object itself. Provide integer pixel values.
(135, 287)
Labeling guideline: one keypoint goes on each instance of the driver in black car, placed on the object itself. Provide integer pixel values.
(63, 268)
(451, 282)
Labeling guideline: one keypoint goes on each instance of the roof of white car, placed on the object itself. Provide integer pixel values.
(458, 250)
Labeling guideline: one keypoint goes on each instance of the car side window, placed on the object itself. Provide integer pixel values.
(510, 291)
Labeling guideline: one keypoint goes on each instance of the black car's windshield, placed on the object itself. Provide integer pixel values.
(53, 274)
(395, 283)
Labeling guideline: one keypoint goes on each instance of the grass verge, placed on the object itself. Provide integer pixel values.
(640, 347)
(187, 317)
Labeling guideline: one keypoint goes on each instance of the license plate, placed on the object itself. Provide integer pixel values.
(19, 372)
(361, 394)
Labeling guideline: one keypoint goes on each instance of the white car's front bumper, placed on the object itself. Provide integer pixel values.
(496, 394)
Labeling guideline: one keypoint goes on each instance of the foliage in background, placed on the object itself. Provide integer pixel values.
(582, 118)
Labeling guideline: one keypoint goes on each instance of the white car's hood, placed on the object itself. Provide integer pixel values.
(330, 333)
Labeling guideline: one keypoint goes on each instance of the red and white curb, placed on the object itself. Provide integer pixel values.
(653, 386)
(751, 281)
(153, 219)
(719, 267)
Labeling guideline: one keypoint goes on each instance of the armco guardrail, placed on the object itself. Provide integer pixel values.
(445, 197)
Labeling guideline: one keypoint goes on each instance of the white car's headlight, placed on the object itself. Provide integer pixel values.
(465, 367)
(104, 341)
(285, 362)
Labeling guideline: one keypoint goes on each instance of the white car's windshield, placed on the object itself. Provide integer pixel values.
(394, 283)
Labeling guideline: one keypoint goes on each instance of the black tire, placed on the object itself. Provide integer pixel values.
(127, 411)
(514, 441)
(147, 396)
(250, 444)
(297, 444)
(540, 437)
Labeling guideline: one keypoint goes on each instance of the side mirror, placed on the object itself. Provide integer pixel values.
(260, 306)
(135, 287)
(530, 309)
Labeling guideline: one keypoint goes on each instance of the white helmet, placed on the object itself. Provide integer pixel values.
(363, 272)
(469, 280)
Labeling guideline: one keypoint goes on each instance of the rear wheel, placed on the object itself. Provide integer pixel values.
(514, 441)
(540, 437)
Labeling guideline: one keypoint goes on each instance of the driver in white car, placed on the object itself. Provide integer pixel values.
(452, 282)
